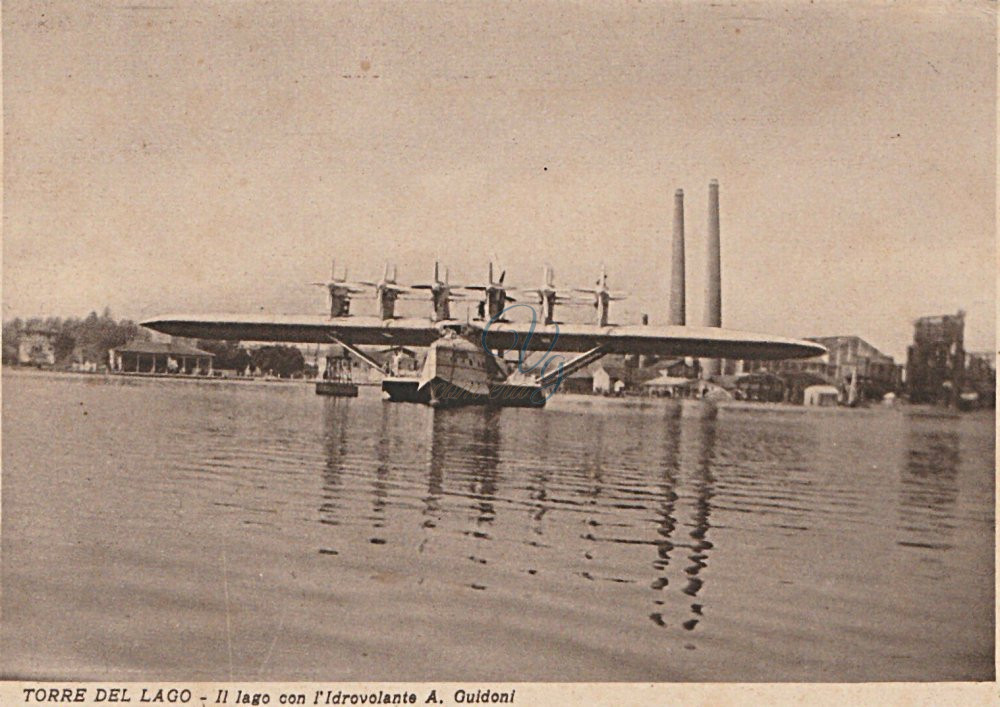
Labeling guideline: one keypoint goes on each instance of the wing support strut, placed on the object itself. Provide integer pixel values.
(574, 365)
(361, 355)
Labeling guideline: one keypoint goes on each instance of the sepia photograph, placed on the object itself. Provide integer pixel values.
(475, 344)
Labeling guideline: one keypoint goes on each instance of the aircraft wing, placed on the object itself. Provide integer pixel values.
(301, 328)
(360, 331)
(710, 342)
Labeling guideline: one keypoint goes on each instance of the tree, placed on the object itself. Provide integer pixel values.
(91, 337)
(228, 354)
(63, 346)
(284, 361)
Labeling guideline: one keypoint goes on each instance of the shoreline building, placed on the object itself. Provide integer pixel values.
(36, 347)
(935, 361)
(160, 357)
(848, 358)
(620, 374)
(980, 377)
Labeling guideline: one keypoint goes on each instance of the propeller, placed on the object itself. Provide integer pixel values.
(602, 296)
(491, 285)
(340, 290)
(387, 283)
(549, 296)
(387, 290)
(441, 293)
(495, 297)
(549, 289)
(341, 284)
(601, 288)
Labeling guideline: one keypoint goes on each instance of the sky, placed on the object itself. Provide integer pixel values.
(215, 156)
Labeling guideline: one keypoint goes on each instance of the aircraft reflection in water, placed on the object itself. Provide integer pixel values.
(566, 510)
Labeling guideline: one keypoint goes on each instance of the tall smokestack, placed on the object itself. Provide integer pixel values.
(713, 291)
(677, 297)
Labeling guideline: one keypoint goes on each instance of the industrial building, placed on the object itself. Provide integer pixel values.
(935, 361)
(848, 358)
(980, 377)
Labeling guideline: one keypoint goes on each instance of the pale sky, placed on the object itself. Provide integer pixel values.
(214, 156)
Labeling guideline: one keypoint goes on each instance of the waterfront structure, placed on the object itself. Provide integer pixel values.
(36, 347)
(847, 358)
(633, 378)
(821, 395)
(667, 386)
(980, 377)
(852, 356)
(935, 361)
(609, 378)
(371, 367)
(797, 382)
(161, 357)
(761, 386)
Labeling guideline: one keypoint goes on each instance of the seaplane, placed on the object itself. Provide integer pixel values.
(465, 362)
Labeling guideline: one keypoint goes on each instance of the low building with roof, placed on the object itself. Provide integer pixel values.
(761, 386)
(796, 383)
(667, 386)
(609, 378)
(161, 357)
(821, 395)
(629, 377)
(581, 381)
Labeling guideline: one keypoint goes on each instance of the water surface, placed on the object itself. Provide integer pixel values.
(158, 529)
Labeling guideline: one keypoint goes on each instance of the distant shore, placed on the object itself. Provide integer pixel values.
(239, 380)
(560, 401)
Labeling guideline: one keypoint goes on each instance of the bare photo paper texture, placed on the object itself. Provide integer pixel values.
(489, 353)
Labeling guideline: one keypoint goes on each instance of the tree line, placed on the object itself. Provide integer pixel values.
(274, 359)
(87, 339)
(90, 339)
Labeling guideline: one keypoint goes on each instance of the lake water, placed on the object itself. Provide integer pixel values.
(159, 529)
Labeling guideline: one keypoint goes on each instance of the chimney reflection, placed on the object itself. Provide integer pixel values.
(704, 432)
(705, 491)
(667, 523)
(593, 468)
